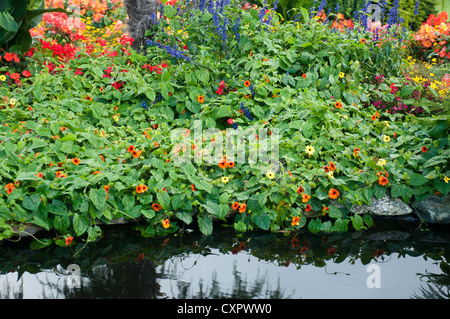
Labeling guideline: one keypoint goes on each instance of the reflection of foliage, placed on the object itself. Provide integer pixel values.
(122, 250)
(241, 289)
(438, 285)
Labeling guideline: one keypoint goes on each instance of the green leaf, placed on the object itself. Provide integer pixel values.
(357, 222)
(437, 128)
(177, 200)
(240, 226)
(98, 198)
(169, 11)
(340, 225)
(164, 199)
(184, 217)
(128, 202)
(315, 225)
(32, 202)
(417, 179)
(41, 243)
(334, 212)
(205, 225)
(7, 22)
(379, 191)
(80, 224)
(262, 220)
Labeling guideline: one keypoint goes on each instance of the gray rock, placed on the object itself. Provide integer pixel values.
(385, 206)
(26, 229)
(433, 209)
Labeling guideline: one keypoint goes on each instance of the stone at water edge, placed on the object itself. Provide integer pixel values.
(385, 206)
(433, 209)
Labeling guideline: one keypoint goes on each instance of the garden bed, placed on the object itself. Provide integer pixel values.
(231, 115)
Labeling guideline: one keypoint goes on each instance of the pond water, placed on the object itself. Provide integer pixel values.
(396, 259)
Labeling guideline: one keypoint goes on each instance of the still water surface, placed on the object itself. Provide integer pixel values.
(395, 259)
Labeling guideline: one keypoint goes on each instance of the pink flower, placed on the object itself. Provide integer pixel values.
(230, 121)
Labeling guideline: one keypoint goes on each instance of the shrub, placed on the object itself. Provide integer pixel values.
(111, 143)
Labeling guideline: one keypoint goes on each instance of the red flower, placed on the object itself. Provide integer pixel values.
(424, 149)
(15, 76)
(8, 56)
(26, 73)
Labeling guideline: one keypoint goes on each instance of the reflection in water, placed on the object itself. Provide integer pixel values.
(437, 286)
(123, 264)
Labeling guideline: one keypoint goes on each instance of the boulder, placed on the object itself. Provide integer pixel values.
(385, 206)
(433, 209)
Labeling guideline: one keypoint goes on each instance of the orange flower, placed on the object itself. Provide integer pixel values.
(235, 205)
(304, 75)
(333, 193)
(424, 149)
(103, 159)
(75, 161)
(242, 207)
(338, 105)
(193, 187)
(166, 223)
(300, 190)
(325, 210)
(155, 143)
(130, 148)
(140, 257)
(305, 198)
(136, 154)
(363, 40)
(62, 128)
(383, 181)
(40, 175)
(156, 207)
(9, 188)
(230, 164)
(326, 168)
(307, 208)
(69, 240)
(295, 220)
(247, 83)
(355, 151)
(200, 98)
(186, 132)
(374, 117)
(223, 163)
(107, 191)
(332, 166)
(141, 188)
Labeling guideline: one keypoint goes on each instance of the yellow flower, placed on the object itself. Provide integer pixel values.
(270, 175)
(386, 138)
(330, 174)
(446, 179)
(12, 101)
(116, 117)
(341, 75)
(386, 123)
(381, 162)
(309, 150)
(224, 180)
(2, 78)
(431, 74)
